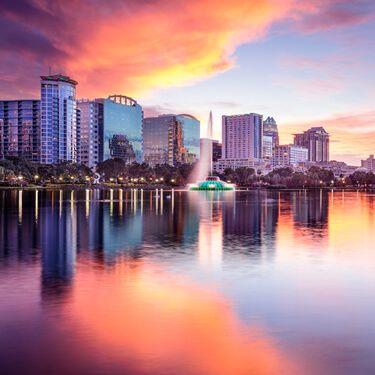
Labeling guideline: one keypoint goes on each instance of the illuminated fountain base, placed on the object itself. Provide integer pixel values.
(211, 183)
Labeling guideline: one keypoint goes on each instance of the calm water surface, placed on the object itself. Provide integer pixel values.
(118, 282)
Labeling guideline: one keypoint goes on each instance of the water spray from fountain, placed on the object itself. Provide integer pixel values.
(203, 173)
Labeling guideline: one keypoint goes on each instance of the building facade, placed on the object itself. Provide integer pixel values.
(20, 129)
(242, 137)
(91, 128)
(369, 163)
(270, 129)
(316, 140)
(190, 136)
(58, 135)
(268, 147)
(216, 150)
(122, 119)
(289, 155)
(222, 164)
(163, 140)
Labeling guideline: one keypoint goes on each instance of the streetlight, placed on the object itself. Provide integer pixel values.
(60, 178)
(111, 179)
(172, 180)
(36, 178)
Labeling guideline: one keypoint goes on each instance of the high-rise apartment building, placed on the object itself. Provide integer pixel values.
(91, 127)
(163, 140)
(316, 140)
(20, 129)
(242, 137)
(369, 163)
(58, 134)
(270, 130)
(289, 155)
(122, 122)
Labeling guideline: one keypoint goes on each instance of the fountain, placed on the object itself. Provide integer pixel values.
(203, 173)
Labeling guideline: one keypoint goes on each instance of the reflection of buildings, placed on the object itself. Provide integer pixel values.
(252, 217)
(58, 244)
(310, 208)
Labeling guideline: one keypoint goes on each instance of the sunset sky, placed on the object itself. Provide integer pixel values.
(305, 63)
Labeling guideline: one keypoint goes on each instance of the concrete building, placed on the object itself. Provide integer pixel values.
(58, 137)
(369, 163)
(222, 164)
(268, 147)
(20, 129)
(242, 137)
(122, 118)
(216, 150)
(163, 140)
(316, 140)
(91, 132)
(289, 155)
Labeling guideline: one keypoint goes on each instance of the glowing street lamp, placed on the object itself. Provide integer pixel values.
(172, 180)
(36, 177)
(111, 179)
(60, 178)
(20, 178)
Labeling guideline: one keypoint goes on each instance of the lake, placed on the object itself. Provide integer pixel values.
(198, 283)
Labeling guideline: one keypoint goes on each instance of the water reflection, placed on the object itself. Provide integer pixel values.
(147, 282)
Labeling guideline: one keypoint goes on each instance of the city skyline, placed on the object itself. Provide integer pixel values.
(304, 64)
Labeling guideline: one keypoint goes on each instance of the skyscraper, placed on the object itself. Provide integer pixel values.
(270, 129)
(122, 119)
(20, 129)
(163, 140)
(91, 132)
(316, 140)
(242, 137)
(58, 119)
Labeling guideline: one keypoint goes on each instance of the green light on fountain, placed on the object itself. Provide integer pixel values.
(212, 183)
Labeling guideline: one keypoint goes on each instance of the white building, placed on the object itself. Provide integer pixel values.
(369, 163)
(267, 147)
(222, 164)
(289, 155)
(91, 132)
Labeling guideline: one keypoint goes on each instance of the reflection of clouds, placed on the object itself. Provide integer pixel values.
(163, 322)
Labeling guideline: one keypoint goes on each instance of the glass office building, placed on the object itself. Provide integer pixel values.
(171, 139)
(190, 136)
(163, 140)
(19, 129)
(122, 128)
(59, 141)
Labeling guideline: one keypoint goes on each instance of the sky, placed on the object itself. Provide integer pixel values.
(305, 63)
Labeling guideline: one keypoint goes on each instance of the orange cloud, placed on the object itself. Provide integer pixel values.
(352, 135)
(167, 44)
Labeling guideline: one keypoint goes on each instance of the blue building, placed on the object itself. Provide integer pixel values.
(59, 128)
(190, 136)
(122, 128)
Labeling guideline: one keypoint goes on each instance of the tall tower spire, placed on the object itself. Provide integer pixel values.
(209, 127)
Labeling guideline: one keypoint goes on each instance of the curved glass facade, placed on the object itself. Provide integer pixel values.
(190, 136)
(122, 118)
